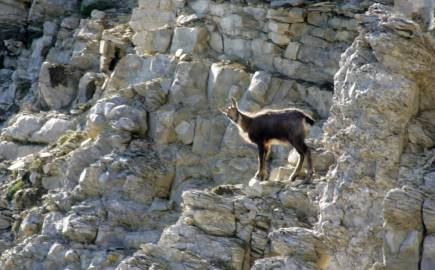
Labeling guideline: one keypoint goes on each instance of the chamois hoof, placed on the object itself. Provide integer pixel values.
(260, 176)
(308, 178)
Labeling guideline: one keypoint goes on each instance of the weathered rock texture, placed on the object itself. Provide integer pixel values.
(381, 87)
(114, 153)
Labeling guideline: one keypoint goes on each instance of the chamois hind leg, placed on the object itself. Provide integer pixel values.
(261, 173)
(265, 161)
(301, 148)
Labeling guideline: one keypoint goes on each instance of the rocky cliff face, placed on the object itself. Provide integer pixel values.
(114, 155)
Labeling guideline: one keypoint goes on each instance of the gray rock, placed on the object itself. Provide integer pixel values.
(151, 19)
(428, 259)
(13, 17)
(53, 224)
(319, 99)
(5, 220)
(237, 47)
(56, 86)
(80, 228)
(47, 9)
(51, 130)
(89, 86)
(258, 87)
(110, 237)
(227, 251)
(208, 136)
(429, 215)
(86, 6)
(23, 127)
(283, 263)
(417, 8)
(222, 79)
(212, 213)
(189, 39)
(133, 69)
(161, 126)
(155, 92)
(139, 238)
(189, 84)
(156, 41)
(31, 224)
(402, 209)
(169, 258)
(185, 132)
(300, 243)
(241, 24)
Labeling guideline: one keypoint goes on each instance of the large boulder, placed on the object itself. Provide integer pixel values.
(23, 127)
(52, 130)
(57, 85)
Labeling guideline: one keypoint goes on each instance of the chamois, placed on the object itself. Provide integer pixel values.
(286, 126)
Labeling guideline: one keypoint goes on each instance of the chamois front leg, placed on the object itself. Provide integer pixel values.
(261, 173)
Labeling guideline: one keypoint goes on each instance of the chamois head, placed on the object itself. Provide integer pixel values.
(232, 112)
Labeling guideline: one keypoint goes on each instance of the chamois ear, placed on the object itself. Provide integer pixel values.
(222, 110)
(234, 101)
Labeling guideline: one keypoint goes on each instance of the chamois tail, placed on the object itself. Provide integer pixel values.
(309, 120)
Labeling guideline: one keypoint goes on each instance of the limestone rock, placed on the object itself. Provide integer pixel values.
(165, 258)
(23, 127)
(80, 228)
(225, 81)
(208, 136)
(30, 224)
(428, 259)
(300, 243)
(41, 10)
(133, 69)
(415, 9)
(258, 87)
(402, 209)
(210, 212)
(5, 220)
(147, 42)
(189, 40)
(429, 215)
(151, 19)
(185, 132)
(403, 228)
(51, 130)
(56, 85)
(161, 125)
(13, 17)
(189, 84)
(282, 263)
(155, 92)
(89, 86)
(227, 251)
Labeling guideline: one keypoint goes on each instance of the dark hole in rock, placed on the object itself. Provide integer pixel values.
(90, 90)
(22, 89)
(115, 59)
(57, 75)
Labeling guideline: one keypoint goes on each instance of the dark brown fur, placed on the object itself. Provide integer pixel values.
(288, 126)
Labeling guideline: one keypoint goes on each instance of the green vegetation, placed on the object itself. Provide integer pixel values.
(69, 136)
(14, 187)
